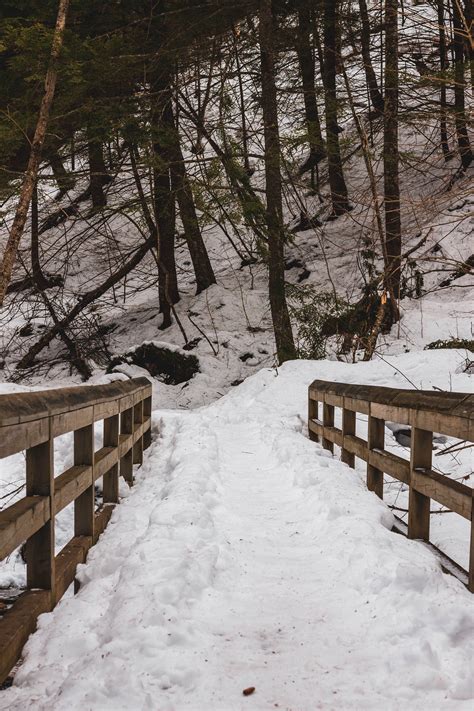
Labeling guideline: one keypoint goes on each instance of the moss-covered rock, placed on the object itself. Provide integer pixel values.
(165, 362)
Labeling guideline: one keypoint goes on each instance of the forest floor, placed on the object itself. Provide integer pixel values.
(248, 556)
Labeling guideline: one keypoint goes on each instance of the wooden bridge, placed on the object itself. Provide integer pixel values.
(30, 422)
(425, 412)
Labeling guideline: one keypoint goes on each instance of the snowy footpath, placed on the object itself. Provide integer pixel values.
(247, 556)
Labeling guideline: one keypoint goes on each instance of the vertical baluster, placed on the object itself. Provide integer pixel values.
(40, 554)
(126, 462)
(328, 421)
(111, 478)
(419, 504)
(147, 416)
(313, 412)
(84, 504)
(348, 428)
(471, 555)
(137, 420)
(375, 440)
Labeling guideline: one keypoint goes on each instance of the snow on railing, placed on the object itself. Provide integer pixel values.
(425, 412)
(30, 422)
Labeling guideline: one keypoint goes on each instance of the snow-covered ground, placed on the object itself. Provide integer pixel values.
(247, 556)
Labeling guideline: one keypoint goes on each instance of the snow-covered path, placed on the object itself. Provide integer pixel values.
(246, 556)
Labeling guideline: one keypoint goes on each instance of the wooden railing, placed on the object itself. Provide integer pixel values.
(426, 412)
(30, 422)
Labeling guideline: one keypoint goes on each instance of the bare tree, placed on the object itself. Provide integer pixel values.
(29, 180)
(276, 268)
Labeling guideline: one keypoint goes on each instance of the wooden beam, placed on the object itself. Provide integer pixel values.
(40, 552)
(375, 440)
(110, 486)
(126, 460)
(84, 504)
(418, 503)
(21, 520)
(348, 429)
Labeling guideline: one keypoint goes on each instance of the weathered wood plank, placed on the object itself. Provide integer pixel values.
(16, 438)
(445, 491)
(20, 521)
(137, 422)
(391, 464)
(110, 488)
(418, 503)
(26, 407)
(375, 440)
(147, 405)
(348, 430)
(126, 459)
(71, 484)
(40, 546)
(17, 624)
(84, 504)
(328, 423)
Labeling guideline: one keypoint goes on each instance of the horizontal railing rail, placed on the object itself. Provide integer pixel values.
(425, 412)
(30, 422)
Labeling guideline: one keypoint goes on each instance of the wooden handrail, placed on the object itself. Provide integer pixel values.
(30, 421)
(426, 412)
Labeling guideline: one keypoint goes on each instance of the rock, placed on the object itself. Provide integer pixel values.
(169, 364)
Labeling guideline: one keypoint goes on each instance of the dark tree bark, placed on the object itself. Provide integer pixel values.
(306, 64)
(97, 171)
(340, 202)
(164, 205)
(187, 210)
(464, 145)
(65, 180)
(38, 277)
(35, 153)
(393, 236)
(242, 106)
(374, 92)
(443, 63)
(274, 218)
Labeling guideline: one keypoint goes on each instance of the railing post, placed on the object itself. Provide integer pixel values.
(471, 554)
(40, 554)
(84, 505)
(126, 462)
(419, 504)
(147, 416)
(111, 478)
(313, 407)
(138, 446)
(328, 421)
(348, 428)
(375, 440)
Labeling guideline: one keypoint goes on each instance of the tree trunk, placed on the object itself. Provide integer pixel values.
(97, 171)
(374, 92)
(443, 63)
(279, 309)
(182, 189)
(35, 154)
(464, 145)
(393, 237)
(306, 63)
(340, 202)
(65, 180)
(164, 207)
(38, 277)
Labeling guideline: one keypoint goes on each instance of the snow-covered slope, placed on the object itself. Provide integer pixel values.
(246, 556)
